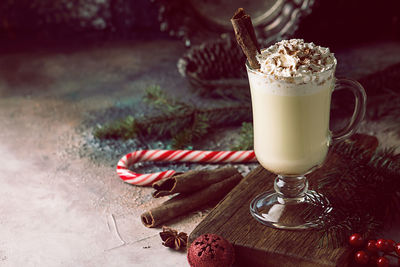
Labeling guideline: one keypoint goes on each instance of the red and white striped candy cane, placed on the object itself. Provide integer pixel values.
(175, 156)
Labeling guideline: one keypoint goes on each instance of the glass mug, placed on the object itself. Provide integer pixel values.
(292, 138)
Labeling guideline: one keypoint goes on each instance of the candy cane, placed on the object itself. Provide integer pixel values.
(175, 156)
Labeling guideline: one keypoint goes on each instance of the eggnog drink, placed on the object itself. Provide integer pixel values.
(291, 95)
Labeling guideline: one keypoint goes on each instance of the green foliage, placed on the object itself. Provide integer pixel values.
(156, 97)
(369, 196)
(246, 137)
(181, 122)
(122, 128)
(198, 129)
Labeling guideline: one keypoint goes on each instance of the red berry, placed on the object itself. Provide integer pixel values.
(391, 245)
(356, 240)
(382, 244)
(382, 262)
(361, 257)
(371, 246)
(397, 248)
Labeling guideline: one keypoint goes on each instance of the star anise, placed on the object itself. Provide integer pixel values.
(172, 239)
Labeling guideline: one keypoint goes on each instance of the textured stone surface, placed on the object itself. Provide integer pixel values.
(60, 209)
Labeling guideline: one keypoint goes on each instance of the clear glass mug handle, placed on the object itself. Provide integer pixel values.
(359, 108)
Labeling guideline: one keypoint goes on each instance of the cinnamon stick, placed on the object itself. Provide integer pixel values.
(191, 181)
(246, 37)
(184, 203)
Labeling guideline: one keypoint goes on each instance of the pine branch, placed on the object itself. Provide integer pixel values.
(230, 92)
(156, 97)
(246, 137)
(123, 128)
(199, 128)
(227, 115)
(183, 123)
(369, 196)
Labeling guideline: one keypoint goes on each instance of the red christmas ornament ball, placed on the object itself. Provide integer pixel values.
(210, 250)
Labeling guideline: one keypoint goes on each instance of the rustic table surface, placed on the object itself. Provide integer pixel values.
(60, 207)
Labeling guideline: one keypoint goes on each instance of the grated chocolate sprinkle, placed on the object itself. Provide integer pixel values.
(295, 58)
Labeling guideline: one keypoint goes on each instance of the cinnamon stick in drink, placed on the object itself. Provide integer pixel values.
(184, 203)
(191, 181)
(246, 37)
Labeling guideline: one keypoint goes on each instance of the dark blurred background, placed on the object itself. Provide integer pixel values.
(341, 22)
(69, 20)
(332, 22)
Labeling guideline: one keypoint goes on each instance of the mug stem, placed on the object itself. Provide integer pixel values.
(290, 189)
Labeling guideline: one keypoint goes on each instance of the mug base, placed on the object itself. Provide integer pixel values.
(301, 213)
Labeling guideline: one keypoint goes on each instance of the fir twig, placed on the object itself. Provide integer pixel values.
(246, 137)
(122, 128)
(199, 128)
(156, 97)
(369, 196)
(183, 123)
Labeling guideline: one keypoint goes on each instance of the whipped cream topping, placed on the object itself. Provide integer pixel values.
(295, 58)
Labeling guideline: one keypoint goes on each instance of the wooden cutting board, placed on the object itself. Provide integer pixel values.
(258, 245)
